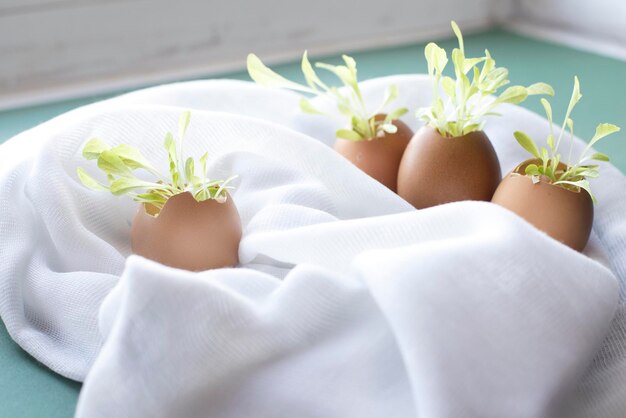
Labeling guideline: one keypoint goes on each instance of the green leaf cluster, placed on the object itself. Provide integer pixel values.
(349, 101)
(120, 162)
(576, 173)
(468, 101)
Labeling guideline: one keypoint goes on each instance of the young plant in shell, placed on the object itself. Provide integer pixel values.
(373, 141)
(451, 158)
(558, 185)
(185, 220)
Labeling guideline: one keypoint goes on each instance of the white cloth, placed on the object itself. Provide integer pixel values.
(348, 303)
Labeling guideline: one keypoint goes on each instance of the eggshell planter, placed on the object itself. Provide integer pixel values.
(565, 215)
(188, 234)
(378, 157)
(437, 169)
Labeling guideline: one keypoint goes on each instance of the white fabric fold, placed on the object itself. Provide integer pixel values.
(348, 302)
(400, 333)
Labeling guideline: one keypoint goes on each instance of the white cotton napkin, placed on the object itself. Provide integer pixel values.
(348, 303)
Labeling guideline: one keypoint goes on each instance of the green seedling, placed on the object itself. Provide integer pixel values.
(349, 100)
(576, 173)
(120, 162)
(468, 102)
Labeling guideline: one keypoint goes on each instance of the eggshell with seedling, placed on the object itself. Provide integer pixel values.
(378, 157)
(188, 234)
(437, 169)
(564, 214)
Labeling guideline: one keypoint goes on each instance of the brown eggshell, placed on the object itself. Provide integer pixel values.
(378, 157)
(565, 215)
(437, 169)
(188, 234)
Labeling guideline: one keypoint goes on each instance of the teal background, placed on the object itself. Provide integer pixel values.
(28, 389)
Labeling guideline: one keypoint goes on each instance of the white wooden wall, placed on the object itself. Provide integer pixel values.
(595, 25)
(55, 49)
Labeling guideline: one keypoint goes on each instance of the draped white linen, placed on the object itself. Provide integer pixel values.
(347, 303)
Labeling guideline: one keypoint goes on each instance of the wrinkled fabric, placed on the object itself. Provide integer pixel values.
(347, 302)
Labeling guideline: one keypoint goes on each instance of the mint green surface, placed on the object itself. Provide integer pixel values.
(28, 389)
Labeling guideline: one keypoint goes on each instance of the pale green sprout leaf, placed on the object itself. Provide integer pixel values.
(488, 66)
(540, 88)
(495, 79)
(588, 172)
(469, 63)
(575, 98)
(459, 35)
(89, 181)
(465, 108)
(598, 156)
(470, 128)
(202, 195)
(438, 107)
(449, 86)
(219, 194)
(583, 184)
(547, 108)
(132, 157)
(545, 155)
(436, 58)
(309, 73)
(602, 130)
(189, 170)
(203, 161)
(532, 170)
(344, 109)
(118, 162)
(362, 127)
(111, 164)
(513, 95)
(170, 147)
(556, 159)
(183, 123)
(266, 77)
(123, 185)
(348, 134)
(307, 107)
(396, 114)
(342, 72)
(154, 198)
(349, 101)
(350, 63)
(527, 143)
(441, 59)
(575, 174)
(457, 60)
(475, 80)
(429, 54)
(465, 83)
(94, 148)
(391, 94)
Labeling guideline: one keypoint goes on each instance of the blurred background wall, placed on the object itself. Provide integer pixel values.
(595, 25)
(60, 49)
